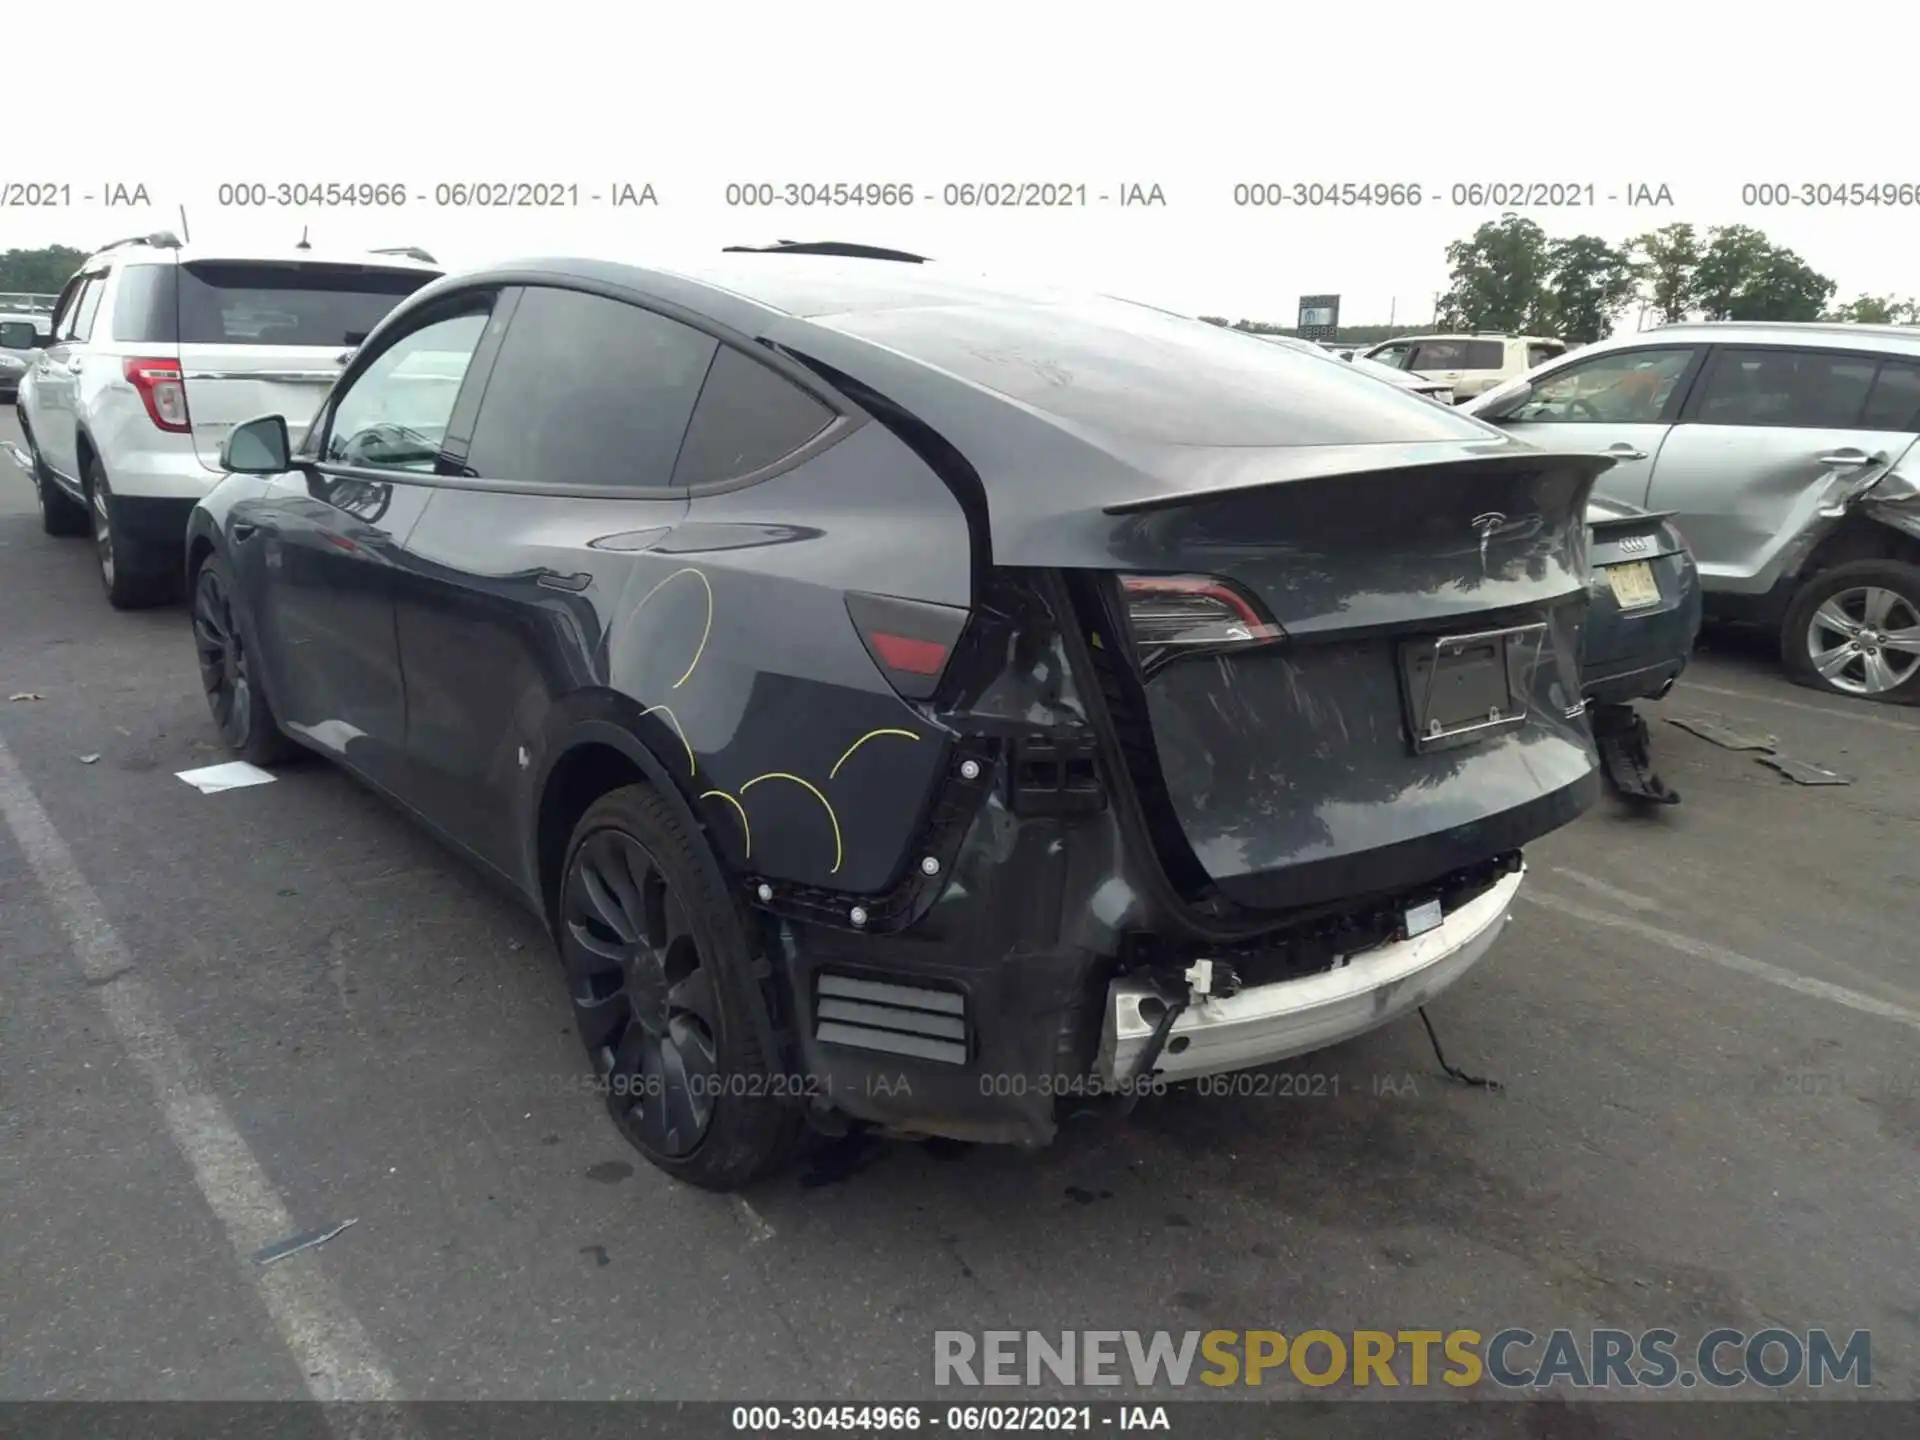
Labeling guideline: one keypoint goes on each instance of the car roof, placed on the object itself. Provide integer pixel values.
(1901, 339)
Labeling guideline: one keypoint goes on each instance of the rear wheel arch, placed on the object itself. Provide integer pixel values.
(1859, 537)
(595, 758)
(84, 452)
(592, 758)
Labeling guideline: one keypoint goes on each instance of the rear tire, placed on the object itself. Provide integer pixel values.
(1854, 630)
(60, 513)
(665, 985)
(230, 672)
(133, 576)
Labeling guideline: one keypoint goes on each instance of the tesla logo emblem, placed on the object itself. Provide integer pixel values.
(1487, 525)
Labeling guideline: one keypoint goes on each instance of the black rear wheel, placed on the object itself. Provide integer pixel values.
(665, 988)
(60, 513)
(135, 578)
(229, 674)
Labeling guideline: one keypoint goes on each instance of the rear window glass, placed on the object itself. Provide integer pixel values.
(1128, 370)
(1543, 351)
(223, 303)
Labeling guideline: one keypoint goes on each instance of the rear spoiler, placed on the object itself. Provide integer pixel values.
(843, 248)
(1313, 462)
(1640, 520)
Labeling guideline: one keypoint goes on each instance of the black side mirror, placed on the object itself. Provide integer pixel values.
(259, 447)
(20, 335)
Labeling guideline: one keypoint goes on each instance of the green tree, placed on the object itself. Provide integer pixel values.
(1589, 283)
(39, 272)
(1744, 276)
(1497, 279)
(1732, 256)
(1876, 310)
(1670, 262)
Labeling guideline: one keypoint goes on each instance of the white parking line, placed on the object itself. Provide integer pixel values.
(336, 1359)
(1612, 892)
(1864, 712)
(1732, 960)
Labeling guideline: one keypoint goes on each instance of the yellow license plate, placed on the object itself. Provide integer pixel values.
(1633, 585)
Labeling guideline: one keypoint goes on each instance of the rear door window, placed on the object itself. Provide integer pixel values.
(749, 417)
(1894, 401)
(88, 306)
(1438, 355)
(589, 391)
(225, 302)
(1808, 389)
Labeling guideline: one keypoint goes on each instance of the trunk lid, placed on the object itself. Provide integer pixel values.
(1405, 700)
(263, 338)
(1387, 688)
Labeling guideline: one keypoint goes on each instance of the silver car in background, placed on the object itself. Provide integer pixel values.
(1786, 456)
(14, 363)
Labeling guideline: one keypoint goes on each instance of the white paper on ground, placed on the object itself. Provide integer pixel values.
(234, 775)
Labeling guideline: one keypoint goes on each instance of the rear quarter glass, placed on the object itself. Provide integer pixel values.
(145, 308)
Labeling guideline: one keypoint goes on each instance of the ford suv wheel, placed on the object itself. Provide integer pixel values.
(134, 578)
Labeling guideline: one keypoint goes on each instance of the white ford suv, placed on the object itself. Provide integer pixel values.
(153, 353)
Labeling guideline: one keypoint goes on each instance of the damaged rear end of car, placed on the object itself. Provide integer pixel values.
(1270, 675)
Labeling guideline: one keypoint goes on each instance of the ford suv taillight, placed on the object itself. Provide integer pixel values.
(1172, 614)
(162, 390)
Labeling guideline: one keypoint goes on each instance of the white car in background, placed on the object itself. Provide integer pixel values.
(154, 352)
(1468, 365)
(1435, 390)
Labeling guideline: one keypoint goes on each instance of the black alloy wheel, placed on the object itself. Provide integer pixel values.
(227, 672)
(659, 973)
(134, 577)
(60, 513)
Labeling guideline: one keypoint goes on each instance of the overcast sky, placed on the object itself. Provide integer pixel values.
(1195, 98)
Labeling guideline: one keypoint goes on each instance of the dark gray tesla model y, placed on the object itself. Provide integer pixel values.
(913, 702)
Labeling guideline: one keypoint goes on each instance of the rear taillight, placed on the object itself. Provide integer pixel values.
(1171, 614)
(162, 390)
(910, 640)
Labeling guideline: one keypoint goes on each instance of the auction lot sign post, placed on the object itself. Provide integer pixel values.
(1319, 317)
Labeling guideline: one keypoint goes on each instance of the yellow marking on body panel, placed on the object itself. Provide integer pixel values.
(839, 851)
(674, 720)
(706, 628)
(738, 809)
(870, 735)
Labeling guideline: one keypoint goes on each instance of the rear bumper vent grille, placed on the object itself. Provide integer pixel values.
(893, 1019)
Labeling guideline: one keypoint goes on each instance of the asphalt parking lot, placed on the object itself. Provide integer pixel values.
(228, 1018)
